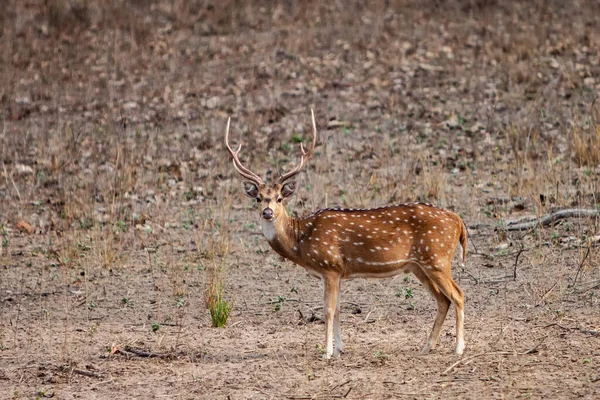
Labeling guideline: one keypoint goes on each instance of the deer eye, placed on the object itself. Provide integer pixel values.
(279, 199)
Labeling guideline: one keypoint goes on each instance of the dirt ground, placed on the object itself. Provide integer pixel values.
(119, 204)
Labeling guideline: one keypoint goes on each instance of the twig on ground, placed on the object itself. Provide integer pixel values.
(142, 353)
(546, 294)
(521, 250)
(340, 385)
(587, 253)
(85, 372)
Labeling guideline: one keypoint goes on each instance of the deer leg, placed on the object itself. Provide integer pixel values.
(331, 286)
(339, 344)
(443, 279)
(443, 304)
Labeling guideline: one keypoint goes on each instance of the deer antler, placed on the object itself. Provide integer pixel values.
(305, 154)
(243, 171)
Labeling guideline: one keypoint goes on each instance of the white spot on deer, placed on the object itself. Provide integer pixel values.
(372, 217)
(315, 251)
(295, 248)
(372, 250)
(385, 248)
(359, 259)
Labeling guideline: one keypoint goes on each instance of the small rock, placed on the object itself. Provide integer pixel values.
(212, 103)
(23, 169)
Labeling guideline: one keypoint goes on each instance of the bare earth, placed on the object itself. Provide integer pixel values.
(118, 200)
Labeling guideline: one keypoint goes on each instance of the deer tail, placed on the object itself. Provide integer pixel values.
(463, 241)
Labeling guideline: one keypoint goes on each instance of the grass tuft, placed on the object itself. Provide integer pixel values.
(218, 307)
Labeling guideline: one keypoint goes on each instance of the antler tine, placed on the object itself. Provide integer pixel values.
(243, 171)
(305, 154)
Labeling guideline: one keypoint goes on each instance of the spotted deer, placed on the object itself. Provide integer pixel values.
(335, 244)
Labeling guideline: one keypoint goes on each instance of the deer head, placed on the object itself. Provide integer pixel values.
(271, 197)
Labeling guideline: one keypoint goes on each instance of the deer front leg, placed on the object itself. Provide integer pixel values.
(331, 289)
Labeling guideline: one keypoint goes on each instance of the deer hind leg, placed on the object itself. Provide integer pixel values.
(443, 304)
(331, 286)
(337, 330)
(442, 277)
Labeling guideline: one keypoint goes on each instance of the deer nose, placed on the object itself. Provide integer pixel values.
(267, 213)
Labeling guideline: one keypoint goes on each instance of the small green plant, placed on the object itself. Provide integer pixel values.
(320, 348)
(406, 293)
(218, 307)
(279, 303)
(91, 305)
(155, 327)
(381, 357)
(127, 302)
(189, 195)
(297, 138)
(120, 226)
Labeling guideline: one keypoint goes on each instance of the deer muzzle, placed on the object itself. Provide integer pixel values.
(267, 213)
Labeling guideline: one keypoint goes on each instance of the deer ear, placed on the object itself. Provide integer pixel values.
(288, 189)
(250, 189)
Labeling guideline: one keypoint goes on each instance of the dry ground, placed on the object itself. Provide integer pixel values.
(111, 148)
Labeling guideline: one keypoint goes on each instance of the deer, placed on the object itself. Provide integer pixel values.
(335, 244)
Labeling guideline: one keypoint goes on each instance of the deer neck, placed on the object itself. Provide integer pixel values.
(282, 235)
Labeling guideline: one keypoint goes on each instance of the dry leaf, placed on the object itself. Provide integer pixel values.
(23, 226)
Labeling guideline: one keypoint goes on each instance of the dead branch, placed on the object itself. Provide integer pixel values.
(581, 263)
(552, 218)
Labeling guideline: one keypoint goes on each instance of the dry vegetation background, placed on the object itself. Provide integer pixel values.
(119, 204)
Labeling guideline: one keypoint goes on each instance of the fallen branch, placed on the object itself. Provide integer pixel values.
(552, 218)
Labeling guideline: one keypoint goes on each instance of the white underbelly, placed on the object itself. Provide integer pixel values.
(379, 275)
